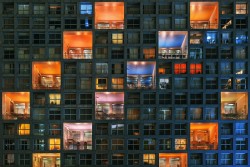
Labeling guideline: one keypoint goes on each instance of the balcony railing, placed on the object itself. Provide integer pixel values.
(203, 25)
(14, 116)
(109, 25)
(78, 53)
(234, 116)
(172, 56)
(195, 145)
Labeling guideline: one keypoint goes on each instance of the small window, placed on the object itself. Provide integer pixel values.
(117, 83)
(39, 9)
(180, 144)
(23, 9)
(241, 8)
(24, 129)
(85, 8)
(196, 68)
(149, 159)
(180, 68)
(54, 144)
(101, 83)
(117, 38)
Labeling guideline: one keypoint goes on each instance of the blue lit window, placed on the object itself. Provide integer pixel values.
(86, 8)
(241, 37)
(211, 37)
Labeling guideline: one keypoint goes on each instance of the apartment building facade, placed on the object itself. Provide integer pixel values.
(124, 83)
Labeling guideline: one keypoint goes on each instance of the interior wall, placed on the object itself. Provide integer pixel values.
(242, 104)
(184, 45)
(214, 17)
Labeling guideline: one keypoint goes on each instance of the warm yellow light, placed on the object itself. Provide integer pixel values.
(24, 129)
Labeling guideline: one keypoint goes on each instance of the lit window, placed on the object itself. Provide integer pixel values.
(180, 144)
(54, 144)
(149, 53)
(86, 8)
(24, 129)
(54, 99)
(241, 8)
(117, 38)
(117, 83)
(195, 68)
(101, 83)
(180, 68)
(149, 159)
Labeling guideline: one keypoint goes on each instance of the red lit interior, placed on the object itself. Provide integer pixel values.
(180, 68)
(195, 68)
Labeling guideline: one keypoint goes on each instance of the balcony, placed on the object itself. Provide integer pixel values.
(204, 15)
(141, 75)
(203, 136)
(109, 106)
(77, 136)
(16, 105)
(46, 75)
(109, 15)
(173, 159)
(46, 159)
(234, 105)
(77, 45)
(172, 45)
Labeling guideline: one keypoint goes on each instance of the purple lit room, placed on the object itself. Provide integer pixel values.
(77, 136)
(109, 105)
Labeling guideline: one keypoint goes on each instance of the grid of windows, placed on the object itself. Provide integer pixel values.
(162, 83)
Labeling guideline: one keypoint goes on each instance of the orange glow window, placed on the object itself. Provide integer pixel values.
(149, 53)
(54, 144)
(180, 144)
(180, 68)
(24, 129)
(161, 70)
(195, 68)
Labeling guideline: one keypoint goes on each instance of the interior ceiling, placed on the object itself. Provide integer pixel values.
(171, 39)
(77, 33)
(109, 11)
(172, 154)
(47, 155)
(202, 126)
(140, 68)
(78, 126)
(49, 67)
(201, 11)
(18, 96)
(109, 97)
(231, 96)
